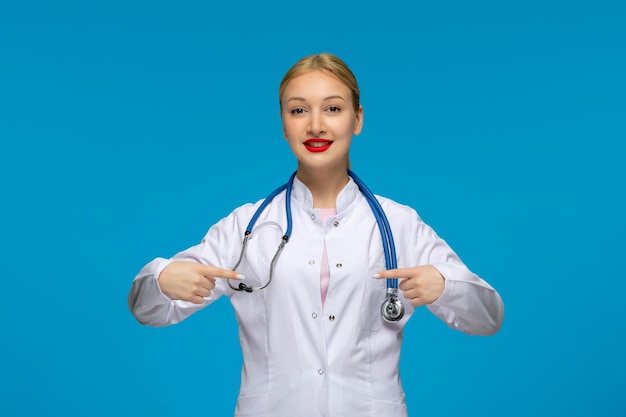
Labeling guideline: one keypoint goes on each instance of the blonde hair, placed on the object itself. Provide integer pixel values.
(323, 62)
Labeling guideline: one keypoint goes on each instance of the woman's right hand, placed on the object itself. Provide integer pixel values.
(192, 281)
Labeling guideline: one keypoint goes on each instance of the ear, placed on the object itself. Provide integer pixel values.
(358, 124)
(280, 114)
(285, 133)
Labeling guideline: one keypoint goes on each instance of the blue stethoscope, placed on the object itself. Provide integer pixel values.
(392, 309)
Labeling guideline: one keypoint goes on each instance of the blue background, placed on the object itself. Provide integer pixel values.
(128, 128)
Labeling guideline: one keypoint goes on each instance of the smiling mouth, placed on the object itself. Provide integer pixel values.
(317, 145)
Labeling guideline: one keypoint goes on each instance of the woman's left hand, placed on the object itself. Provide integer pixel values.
(421, 284)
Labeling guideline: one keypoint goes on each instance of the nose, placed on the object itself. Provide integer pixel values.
(316, 126)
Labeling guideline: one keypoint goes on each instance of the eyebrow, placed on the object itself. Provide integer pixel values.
(325, 98)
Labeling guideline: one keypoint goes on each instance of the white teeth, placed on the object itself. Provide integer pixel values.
(317, 144)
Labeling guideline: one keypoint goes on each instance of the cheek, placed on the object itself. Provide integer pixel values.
(293, 128)
(290, 136)
(344, 127)
(287, 133)
(287, 129)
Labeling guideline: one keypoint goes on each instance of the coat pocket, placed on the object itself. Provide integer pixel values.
(373, 299)
(251, 406)
(389, 409)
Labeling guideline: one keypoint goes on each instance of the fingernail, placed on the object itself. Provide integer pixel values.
(240, 276)
(375, 276)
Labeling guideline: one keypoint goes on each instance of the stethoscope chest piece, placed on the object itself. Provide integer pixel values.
(392, 309)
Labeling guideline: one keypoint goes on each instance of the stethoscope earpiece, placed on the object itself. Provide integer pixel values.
(244, 287)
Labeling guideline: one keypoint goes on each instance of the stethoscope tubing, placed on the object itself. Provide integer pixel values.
(268, 200)
(389, 248)
(392, 309)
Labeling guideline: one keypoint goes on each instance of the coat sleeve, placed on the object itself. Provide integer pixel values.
(468, 303)
(219, 247)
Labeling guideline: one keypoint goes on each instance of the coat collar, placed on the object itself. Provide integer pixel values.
(345, 199)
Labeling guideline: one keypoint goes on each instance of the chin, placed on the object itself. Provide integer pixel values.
(306, 163)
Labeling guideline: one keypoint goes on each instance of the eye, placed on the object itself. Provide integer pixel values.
(333, 109)
(296, 111)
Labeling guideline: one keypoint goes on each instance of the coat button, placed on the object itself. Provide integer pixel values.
(336, 223)
(339, 265)
(314, 315)
(312, 216)
(331, 317)
(311, 262)
(320, 371)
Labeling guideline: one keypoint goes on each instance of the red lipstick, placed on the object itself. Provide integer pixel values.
(317, 145)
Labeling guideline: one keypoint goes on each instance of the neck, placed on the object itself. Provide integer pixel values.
(325, 185)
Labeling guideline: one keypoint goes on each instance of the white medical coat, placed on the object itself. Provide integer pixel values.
(304, 359)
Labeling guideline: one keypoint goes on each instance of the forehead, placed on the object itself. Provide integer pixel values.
(315, 83)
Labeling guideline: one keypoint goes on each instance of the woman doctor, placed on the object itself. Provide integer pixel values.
(313, 341)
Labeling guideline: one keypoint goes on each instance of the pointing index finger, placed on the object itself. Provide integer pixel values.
(392, 273)
(222, 273)
(237, 276)
(226, 274)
